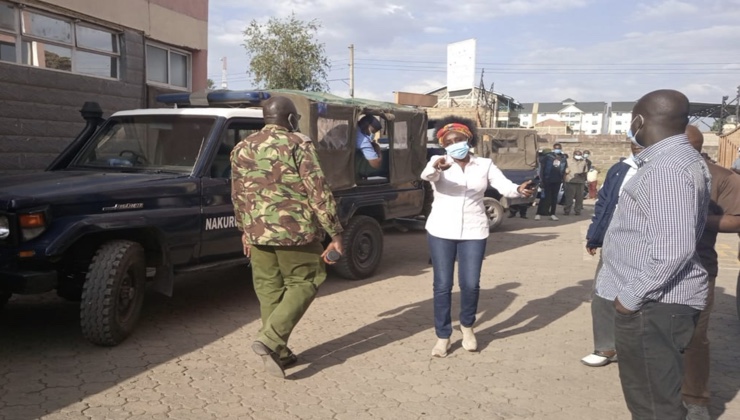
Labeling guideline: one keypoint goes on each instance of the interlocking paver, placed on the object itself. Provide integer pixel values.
(363, 346)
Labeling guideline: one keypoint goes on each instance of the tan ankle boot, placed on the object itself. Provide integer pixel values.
(440, 349)
(469, 342)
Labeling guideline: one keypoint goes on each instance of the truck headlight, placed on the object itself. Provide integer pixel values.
(32, 224)
(4, 228)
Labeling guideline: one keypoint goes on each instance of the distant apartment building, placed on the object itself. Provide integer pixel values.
(620, 117)
(57, 54)
(580, 117)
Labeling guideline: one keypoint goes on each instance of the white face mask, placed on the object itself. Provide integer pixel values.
(578, 157)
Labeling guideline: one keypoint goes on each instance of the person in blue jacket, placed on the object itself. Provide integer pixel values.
(552, 169)
(602, 310)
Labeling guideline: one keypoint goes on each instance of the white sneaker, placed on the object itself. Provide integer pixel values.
(440, 349)
(469, 342)
(537, 217)
(553, 217)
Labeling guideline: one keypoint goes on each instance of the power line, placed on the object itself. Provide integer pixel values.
(495, 63)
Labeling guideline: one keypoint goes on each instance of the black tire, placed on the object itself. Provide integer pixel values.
(494, 211)
(363, 248)
(113, 293)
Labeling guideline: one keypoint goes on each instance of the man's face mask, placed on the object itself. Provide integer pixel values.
(633, 136)
(293, 122)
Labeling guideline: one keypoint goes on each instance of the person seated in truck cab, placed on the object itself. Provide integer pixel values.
(368, 156)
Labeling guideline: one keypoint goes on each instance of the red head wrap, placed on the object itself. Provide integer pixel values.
(454, 127)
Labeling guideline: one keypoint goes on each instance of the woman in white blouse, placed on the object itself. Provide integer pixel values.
(458, 226)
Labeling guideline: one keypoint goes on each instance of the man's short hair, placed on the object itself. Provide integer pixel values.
(370, 120)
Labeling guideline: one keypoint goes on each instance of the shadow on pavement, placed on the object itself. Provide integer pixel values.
(408, 320)
(46, 364)
(407, 254)
(537, 313)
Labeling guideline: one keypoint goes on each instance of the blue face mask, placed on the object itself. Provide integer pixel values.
(458, 150)
(557, 151)
(632, 138)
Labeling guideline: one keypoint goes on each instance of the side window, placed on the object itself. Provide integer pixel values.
(333, 134)
(401, 135)
(235, 132)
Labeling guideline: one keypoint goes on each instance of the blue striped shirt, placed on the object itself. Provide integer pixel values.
(649, 250)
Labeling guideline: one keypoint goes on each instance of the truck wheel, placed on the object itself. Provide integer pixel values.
(363, 248)
(113, 293)
(494, 211)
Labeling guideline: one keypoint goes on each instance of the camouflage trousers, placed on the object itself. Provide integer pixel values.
(286, 279)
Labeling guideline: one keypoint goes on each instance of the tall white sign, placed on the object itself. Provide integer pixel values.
(461, 65)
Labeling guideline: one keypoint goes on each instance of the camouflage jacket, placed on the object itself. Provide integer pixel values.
(279, 191)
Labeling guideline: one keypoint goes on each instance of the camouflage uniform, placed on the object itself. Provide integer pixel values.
(283, 206)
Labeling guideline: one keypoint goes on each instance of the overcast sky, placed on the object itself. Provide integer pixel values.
(532, 50)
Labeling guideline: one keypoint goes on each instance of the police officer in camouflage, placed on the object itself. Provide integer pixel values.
(283, 206)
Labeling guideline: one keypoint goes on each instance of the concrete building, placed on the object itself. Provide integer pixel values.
(581, 117)
(620, 117)
(57, 54)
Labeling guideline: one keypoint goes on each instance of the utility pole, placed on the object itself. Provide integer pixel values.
(351, 70)
(224, 83)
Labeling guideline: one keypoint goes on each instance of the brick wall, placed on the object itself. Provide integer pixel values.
(39, 109)
(605, 150)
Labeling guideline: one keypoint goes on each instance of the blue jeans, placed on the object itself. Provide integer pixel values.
(469, 254)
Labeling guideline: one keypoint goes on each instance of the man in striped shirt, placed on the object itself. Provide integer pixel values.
(651, 269)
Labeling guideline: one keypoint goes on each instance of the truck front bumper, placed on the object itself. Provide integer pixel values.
(27, 281)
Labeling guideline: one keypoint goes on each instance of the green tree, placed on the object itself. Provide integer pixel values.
(284, 54)
(210, 84)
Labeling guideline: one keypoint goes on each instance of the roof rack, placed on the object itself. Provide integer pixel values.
(215, 98)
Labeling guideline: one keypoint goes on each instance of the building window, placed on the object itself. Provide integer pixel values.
(593, 131)
(595, 114)
(594, 123)
(617, 122)
(618, 114)
(618, 132)
(44, 40)
(167, 66)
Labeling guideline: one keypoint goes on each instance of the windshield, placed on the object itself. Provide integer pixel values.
(169, 143)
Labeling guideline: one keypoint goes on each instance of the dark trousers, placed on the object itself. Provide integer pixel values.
(650, 345)
(549, 203)
(602, 318)
(520, 208)
(695, 388)
(573, 191)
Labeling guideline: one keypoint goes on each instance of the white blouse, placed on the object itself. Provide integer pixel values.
(458, 211)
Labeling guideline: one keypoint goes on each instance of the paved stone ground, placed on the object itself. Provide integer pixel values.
(364, 346)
